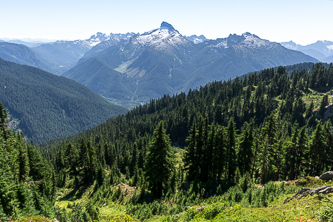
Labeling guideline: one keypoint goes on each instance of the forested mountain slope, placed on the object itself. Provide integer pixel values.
(23, 174)
(28, 186)
(20, 54)
(266, 126)
(48, 106)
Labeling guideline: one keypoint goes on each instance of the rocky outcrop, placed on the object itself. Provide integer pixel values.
(329, 112)
(310, 191)
(327, 176)
(198, 208)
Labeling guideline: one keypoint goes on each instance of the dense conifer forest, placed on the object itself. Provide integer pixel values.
(224, 128)
(45, 106)
(28, 182)
(211, 145)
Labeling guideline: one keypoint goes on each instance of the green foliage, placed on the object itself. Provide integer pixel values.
(48, 106)
(25, 177)
(20, 54)
(326, 211)
(159, 162)
(255, 129)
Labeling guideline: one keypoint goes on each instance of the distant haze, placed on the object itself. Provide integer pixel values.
(303, 21)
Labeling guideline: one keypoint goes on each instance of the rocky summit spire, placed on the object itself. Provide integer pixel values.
(166, 25)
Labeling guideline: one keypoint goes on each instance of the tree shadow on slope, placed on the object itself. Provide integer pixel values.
(76, 193)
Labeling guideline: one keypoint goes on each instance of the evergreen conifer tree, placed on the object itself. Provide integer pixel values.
(317, 151)
(231, 150)
(159, 163)
(323, 104)
(190, 154)
(245, 153)
(219, 157)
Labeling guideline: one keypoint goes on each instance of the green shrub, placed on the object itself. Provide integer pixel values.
(212, 211)
(326, 211)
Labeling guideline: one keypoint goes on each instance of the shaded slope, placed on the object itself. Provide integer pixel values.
(49, 106)
(20, 54)
(238, 60)
(101, 78)
(61, 55)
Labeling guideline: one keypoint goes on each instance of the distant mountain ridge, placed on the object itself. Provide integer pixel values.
(321, 50)
(20, 54)
(162, 61)
(48, 106)
(18, 41)
(197, 39)
(60, 56)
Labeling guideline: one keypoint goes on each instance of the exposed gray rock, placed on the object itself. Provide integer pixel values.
(327, 176)
(198, 208)
(201, 208)
(310, 191)
(328, 113)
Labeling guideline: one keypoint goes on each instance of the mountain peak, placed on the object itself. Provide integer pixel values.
(249, 34)
(99, 35)
(165, 25)
(233, 39)
(246, 39)
(196, 39)
(162, 38)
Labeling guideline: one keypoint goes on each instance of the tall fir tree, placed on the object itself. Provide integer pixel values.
(323, 104)
(190, 155)
(159, 164)
(245, 149)
(219, 157)
(231, 150)
(317, 151)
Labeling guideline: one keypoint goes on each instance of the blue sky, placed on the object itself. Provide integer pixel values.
(303, 21)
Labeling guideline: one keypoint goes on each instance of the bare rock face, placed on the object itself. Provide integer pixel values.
(310, 191)
(198, 208)
(327, 176)
(328, 113)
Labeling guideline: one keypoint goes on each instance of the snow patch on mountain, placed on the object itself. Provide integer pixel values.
(196, 39)
(158, 36)
(222, 44)
(320, 50)
(254, 41)
(97, 38)
(290, 45)
(246, 40)
(161, 38)
(330, 47)
(94, 42)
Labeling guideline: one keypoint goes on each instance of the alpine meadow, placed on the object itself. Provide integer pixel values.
(166, 125)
